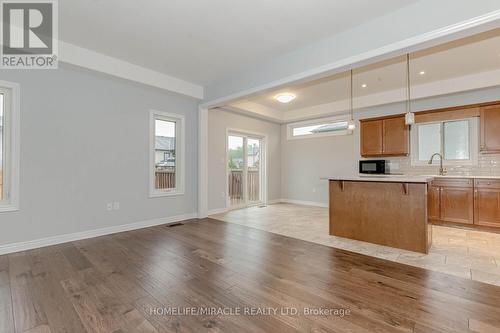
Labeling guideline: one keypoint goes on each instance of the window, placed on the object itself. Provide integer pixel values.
(455, 140)
(318, 128)
(167, 154)
(9, 150)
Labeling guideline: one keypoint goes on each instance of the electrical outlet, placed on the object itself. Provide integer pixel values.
(222, 194)
(109, 206)
(116, 205)
(314, 189)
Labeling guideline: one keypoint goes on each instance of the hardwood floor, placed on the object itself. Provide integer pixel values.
(126, 282)
(470, 254)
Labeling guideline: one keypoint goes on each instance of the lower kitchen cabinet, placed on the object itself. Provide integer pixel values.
(451, 200)
(457, 205)
(465, 201)
(433, 202)
(487, 202)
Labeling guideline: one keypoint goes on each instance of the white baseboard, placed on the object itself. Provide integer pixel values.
(37, 243)
(217, 211)
(305, 203)
(274, 201)
(224, 210)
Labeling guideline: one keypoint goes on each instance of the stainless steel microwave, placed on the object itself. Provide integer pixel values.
(372, 166)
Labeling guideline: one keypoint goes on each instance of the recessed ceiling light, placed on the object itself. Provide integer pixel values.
(285, 97)
(364, 85)
(422, 73)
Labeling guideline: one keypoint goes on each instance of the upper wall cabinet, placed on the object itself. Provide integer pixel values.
(371, 137)
(490, 129)
(384, 137)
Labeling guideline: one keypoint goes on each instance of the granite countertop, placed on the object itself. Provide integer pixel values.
(468, 177)
(383, 178)
(401, 178)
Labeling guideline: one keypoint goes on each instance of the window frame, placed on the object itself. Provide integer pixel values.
(291, 126)
(473, 144)
(179, 120)
(11, 146)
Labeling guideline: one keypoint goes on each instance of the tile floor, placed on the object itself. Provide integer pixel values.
(469, 254)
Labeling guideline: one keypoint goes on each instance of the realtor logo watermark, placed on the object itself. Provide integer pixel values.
(29, 34)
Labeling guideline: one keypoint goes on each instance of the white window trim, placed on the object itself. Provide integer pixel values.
(473, 148)
(291, 126)
(180, 153)
(12, 145)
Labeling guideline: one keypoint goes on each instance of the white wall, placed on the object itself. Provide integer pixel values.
(304, 161)
(218, 122)
(84, 142)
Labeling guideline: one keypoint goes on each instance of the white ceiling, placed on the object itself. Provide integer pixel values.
(473, 55)
(204, 41)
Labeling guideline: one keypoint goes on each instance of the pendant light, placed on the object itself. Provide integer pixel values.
(409, 116)
(351, 124)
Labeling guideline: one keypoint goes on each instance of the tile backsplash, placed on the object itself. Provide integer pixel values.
(488, 165)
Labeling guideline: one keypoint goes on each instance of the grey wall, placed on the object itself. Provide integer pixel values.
(84, 142)
(304, 161)
(396, 26)
(218, 121)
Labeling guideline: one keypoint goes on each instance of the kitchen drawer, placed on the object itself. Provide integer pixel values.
(453, 182)
(487, 183)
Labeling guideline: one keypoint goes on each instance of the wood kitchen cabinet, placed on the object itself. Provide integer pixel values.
(388, 136)
(457, 205)
(490, 129)
(395, 136)
(487, 202)
(371, 137)
(451, 200)
(433, 202)
(386, 213)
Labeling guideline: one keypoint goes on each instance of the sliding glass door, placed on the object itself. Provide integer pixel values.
(253, 173)
(236, 162)
(245, 170)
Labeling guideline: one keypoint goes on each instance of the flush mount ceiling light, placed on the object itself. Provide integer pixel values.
(285, 97)
(422, 73)
(364, 85)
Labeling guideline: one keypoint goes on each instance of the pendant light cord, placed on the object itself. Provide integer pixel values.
(408, 92)
(351, 100)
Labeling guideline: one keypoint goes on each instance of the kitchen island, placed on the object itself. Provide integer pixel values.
(385, 210)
